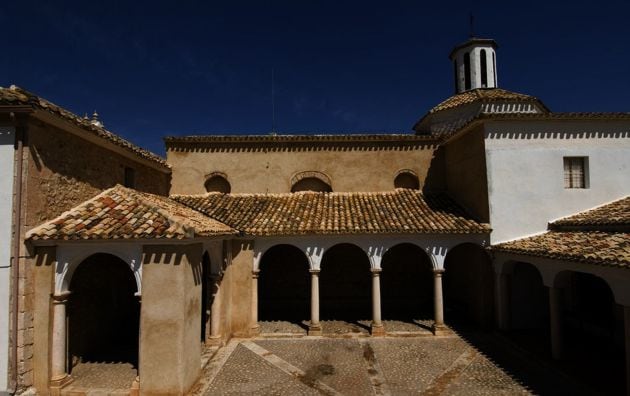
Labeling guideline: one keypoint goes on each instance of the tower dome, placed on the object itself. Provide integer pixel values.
(474, 64)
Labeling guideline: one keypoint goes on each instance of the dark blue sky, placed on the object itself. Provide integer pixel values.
(193, 67)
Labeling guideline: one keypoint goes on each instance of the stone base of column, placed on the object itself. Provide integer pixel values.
(440, 330)
(315, 330)
(377, 330)
(135, 387)
(214, 341)
(56, 383)
(254, 330)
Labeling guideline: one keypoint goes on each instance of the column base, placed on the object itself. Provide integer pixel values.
(214, 341)
(254, 330)
(315, 330)
(377, 330)
(440, 330)
(56, 383)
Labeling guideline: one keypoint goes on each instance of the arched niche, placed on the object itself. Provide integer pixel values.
(407, 178)
(311, 181)
(217, 182)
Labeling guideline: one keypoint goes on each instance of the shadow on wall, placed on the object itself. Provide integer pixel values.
(167, 255)
(435, 180)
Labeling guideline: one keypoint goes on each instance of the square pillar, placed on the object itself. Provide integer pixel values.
(555, 312)
(170, 319)
(626, 315)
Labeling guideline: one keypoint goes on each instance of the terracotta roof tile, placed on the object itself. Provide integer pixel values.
(483, 95)
(616, 213)
(400, 211)
(18, 96)
(122, 213)
(593, 247)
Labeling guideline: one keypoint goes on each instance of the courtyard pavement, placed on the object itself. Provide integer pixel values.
(471, 364)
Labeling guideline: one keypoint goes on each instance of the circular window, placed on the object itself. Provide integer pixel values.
(217, 183)
(407, 179)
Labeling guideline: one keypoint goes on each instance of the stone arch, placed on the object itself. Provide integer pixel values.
(345, 283)
(311, 181)
(406, 178)
(469, 285)
(283, 284)
(217, 182)
(406, 283)
(103, 313)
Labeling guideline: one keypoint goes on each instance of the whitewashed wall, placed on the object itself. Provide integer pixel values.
(526, 176)
(7, 140)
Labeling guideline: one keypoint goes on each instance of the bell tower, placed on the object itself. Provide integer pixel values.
(475, 64)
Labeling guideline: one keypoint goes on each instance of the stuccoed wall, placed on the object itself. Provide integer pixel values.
(7, 170)
(526, 173)
(261, 169)
(170, 322)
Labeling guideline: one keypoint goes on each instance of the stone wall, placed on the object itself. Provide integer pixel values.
(61, 171)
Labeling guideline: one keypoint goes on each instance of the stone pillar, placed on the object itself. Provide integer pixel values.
(377, 324)
(59, 375)
(215, 312)
(315, 327)
(626, 315)
(555, 311)
(502, 301)
(438, 302)
(255, 329)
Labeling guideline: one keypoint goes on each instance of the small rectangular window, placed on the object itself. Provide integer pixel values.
(130, 177)
(575, 172)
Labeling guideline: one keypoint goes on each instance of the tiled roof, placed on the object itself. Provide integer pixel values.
(484, 95)
(616, 213)
(593, 247)
(400, 211)
(122, 213)
(558, 116)
(17, 96)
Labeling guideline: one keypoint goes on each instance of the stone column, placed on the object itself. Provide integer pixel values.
(555, 311)
(134, 390)
(377, 324)
(626, 315)
(255, 326)
(502, 303)
(215, 312)
(315, 327)
(438, 302)
(59, 375)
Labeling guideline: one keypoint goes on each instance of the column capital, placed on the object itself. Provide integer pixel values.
(376, 271)
(255, 274)
(60, 298)
(438, 271)
(314, 271)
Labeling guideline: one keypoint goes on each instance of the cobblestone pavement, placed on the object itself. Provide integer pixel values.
(101, 378)
(447, 365)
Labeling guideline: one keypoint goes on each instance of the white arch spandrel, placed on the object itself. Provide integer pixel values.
(69, 256)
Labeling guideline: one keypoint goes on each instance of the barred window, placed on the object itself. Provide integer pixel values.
(575, 172)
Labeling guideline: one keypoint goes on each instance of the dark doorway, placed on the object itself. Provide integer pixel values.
(284, 285)
(469, 286)
(345, 284)
(406, 283)
(104, 313)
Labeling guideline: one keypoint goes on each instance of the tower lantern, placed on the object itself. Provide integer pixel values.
(474, 64)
